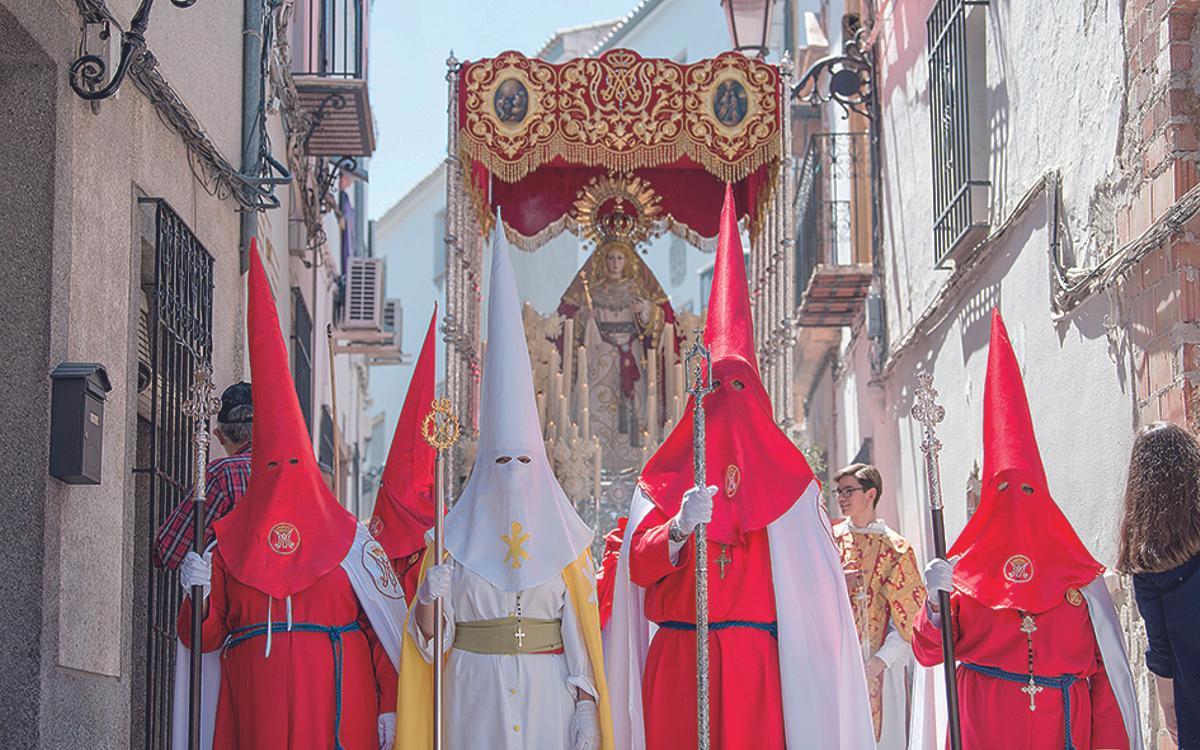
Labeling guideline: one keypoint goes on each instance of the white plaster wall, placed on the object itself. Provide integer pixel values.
(123, 148)
(695, 29)
(1046, 111)
(199, 50)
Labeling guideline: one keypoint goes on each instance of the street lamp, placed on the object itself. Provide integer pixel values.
(749, 25)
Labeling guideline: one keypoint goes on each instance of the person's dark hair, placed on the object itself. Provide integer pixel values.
(1161, 527)
(240, 426)
(867, 475)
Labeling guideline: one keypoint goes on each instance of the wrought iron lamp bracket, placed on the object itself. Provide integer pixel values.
(86, 75)
(847, 79)
(328, 177)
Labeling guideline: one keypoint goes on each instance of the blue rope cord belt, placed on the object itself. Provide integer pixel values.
(335, 633)
(1062, 683)
(767, 627)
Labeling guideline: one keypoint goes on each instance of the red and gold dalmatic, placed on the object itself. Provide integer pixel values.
(891, 592)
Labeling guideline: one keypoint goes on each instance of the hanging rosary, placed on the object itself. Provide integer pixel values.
(519, 634)
(1028, 625)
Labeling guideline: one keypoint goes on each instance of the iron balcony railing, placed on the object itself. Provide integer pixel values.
(832, 204)
(335, 34)
(957, 86)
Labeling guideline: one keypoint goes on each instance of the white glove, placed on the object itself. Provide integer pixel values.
(695, 509)
(387, 730)
(196, 571)
(436, 585)
(587, 726)
(939, 575)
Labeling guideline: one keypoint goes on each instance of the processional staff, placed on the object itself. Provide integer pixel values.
(699, 364)
(200, 406)
(441, 430)
(929, 413)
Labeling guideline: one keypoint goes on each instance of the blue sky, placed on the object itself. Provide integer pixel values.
(410, 40)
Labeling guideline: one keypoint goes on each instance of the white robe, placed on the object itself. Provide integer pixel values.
(897, 654)
(509, 702)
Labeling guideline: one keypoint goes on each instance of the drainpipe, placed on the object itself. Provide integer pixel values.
(252, 94)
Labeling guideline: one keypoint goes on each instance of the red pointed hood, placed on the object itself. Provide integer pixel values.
(288, 530)
(404, 507)
(1018, 551)
(759, 471)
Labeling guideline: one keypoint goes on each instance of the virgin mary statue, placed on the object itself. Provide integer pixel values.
(620, 311)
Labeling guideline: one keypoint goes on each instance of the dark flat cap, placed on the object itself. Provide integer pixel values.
(234, 396)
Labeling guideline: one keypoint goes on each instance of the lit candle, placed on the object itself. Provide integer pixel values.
(596, 470)
(668, 349)
(541, 410)
(568, 350)
(555, 388)
(586, 419)
(562, 412)
(680, 388)
(581, 378)
(652, 397)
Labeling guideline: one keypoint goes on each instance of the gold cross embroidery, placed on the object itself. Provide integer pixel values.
(516, 541)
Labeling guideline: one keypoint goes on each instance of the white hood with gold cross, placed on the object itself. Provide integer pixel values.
(513, 524)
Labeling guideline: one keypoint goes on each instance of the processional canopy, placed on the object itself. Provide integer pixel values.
(533, 137)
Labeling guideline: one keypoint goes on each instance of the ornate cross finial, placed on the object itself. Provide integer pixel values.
(699, 368)
(929, 413)
(440, 428)
(201, 403)
(926, 409)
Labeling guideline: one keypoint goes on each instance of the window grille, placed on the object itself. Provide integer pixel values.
(179, 336)
(302, 346)
(958, 111)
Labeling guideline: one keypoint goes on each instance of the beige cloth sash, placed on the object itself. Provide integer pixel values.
(505, 636)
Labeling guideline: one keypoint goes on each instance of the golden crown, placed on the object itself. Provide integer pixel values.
(617, 207)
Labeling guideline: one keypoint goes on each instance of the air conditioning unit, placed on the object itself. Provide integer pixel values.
(393, 320)
(364, 295)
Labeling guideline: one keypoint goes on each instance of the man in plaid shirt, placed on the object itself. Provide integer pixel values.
(227, 479)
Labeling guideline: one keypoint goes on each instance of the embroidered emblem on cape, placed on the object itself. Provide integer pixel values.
(733, 480)
(1075, 597)
(1018, 569)
(379, 566)
(515, 540)
(283, 538)
(375, 525)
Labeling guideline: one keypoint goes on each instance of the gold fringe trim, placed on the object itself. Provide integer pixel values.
(474, 150)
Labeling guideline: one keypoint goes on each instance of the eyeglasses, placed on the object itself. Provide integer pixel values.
(846, 492)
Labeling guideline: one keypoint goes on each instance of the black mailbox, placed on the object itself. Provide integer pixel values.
(77, 421)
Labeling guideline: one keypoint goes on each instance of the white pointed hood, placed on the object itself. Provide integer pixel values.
(513, 524)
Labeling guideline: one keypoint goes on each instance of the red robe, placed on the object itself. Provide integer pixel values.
(745, 699)
(408, 570)
(287, 700)
(994, 712)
